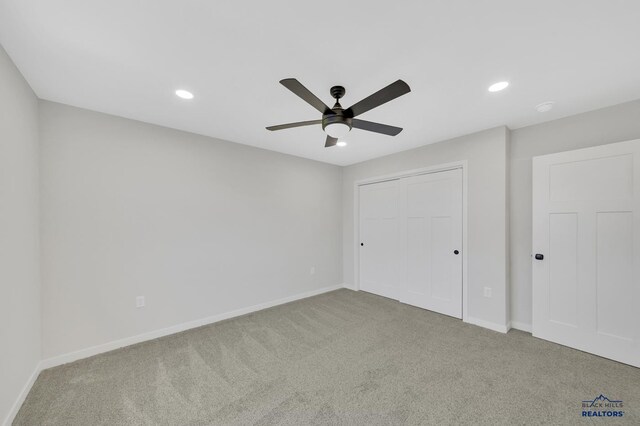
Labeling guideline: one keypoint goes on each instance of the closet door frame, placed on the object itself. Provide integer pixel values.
(403, 174)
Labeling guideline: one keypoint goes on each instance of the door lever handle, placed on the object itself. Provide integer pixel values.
(539, 256)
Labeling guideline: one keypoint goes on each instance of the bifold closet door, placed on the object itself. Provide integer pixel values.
(380, 238)
(433, 241)
(586, 250)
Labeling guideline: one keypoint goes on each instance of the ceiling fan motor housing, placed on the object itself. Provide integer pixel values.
(337, 117)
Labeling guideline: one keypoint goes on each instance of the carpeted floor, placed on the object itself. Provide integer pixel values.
(339, 358)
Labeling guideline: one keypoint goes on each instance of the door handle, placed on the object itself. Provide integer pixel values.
(456, 252)
(361, 244)
(539, 256)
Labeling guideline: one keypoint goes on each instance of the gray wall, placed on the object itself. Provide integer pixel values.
(486, 153)
(608, 125)
(199, 226)
(19, 240)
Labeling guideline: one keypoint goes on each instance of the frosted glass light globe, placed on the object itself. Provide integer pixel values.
(337, 130)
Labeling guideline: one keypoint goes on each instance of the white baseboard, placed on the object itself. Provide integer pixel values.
(350, 286)
(116, 344)
(521, 326)
(22, 396)
(500, 328)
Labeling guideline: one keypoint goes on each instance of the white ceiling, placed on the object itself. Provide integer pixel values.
(127, 57)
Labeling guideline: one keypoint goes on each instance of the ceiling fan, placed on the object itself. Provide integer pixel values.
(336, 121)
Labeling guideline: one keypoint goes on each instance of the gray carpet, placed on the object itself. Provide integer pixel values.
(339, 358)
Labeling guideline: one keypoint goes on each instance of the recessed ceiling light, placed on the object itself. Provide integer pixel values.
(496, 87)
(545, 106)
(184, 94)
(341, 143)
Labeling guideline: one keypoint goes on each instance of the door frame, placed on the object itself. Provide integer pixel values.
(404, 174)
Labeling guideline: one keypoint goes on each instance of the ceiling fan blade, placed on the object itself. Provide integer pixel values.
(298, 124)
(296, 87)
(376, 127)
(330, 142)
(382, 96)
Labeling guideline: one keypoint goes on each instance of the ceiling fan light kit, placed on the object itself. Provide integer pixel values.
(336, 130)
(337, 121)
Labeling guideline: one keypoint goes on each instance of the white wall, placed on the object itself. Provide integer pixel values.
(608, 125)
(19, 239)
(197, 225)
(486, 153)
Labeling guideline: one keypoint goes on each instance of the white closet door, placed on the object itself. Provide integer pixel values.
(379, 238)
(586, 233)
(433, 236)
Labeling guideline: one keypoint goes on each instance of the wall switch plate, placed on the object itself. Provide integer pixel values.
(487, 292)
(140, 302)
(313, 270)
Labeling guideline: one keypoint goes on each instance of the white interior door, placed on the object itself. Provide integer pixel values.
(433, 224)
(586, 225)
(379, 238)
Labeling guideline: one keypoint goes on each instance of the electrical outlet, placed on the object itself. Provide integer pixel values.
(140, 302)
(313, 270)
(487, 292)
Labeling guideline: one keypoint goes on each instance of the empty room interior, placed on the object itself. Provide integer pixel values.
(293, 213)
